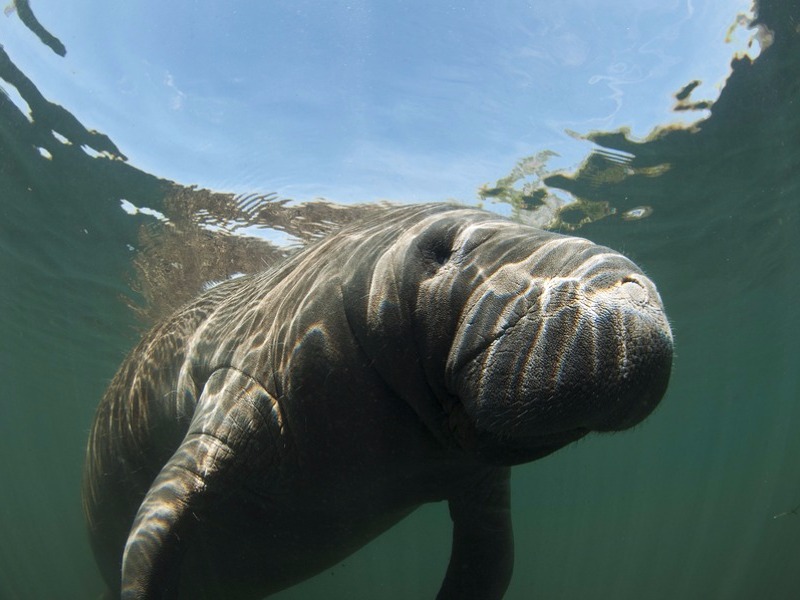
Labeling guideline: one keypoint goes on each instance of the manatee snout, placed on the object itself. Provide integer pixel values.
(568, 353)
(635, 342)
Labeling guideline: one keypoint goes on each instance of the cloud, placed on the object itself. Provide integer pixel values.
(178, 97)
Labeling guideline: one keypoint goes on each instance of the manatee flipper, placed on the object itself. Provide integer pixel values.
(235, 422)
(482, 556)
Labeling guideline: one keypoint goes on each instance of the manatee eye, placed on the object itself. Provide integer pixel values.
(438, 252)
(435, 245)
(441, 253)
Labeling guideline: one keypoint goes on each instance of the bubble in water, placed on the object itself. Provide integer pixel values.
(640, 212)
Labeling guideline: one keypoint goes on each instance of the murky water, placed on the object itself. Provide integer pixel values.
(694, 503)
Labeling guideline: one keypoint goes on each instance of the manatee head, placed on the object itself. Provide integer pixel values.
(529, 339)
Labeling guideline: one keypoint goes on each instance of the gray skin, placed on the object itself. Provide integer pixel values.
(282, 420)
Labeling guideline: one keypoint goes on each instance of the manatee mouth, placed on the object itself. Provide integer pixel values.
(512, 451)
(502, 449)
(542, 370)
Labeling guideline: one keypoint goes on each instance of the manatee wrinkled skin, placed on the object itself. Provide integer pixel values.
(282, 420)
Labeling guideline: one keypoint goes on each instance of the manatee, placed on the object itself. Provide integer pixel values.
(282, 420)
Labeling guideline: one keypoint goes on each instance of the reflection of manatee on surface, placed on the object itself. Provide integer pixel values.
(282, 420)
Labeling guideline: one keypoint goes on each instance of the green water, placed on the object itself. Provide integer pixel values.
(683, 506)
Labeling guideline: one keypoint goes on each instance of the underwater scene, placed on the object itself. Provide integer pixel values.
(342, 224)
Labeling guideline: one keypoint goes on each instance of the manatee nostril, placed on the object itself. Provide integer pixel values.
(633, 289)
(630, 279)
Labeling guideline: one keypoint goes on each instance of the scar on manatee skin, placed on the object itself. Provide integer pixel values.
(793, 511)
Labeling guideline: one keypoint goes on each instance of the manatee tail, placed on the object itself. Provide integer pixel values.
(235, 421)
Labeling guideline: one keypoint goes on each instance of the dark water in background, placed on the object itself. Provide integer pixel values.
(682, 507)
